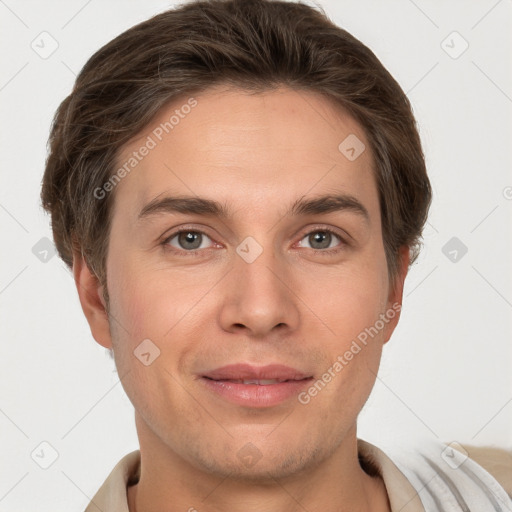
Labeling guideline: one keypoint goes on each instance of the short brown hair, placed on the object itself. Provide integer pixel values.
(257, 45)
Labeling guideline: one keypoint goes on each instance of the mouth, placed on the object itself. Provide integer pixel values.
(256, 387)
(257, 382)
(249, 374)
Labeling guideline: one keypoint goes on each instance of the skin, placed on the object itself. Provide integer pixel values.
(257, 154)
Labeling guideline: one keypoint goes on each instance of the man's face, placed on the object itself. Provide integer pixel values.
(262, 285)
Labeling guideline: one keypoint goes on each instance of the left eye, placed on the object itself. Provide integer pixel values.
(321, 239)
(189, 240)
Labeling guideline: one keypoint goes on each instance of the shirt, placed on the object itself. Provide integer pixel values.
(492, 476)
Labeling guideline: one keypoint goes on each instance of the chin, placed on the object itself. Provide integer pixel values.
(261, 463)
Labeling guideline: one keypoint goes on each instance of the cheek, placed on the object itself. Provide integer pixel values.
(138, 294)
(156, 304)
(348, 301)
(350, 306)
(130, 307)
(142, 312)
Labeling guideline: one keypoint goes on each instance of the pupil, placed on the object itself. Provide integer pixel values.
(190, 240)
(322, 238)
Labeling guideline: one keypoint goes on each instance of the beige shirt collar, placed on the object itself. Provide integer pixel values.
(111, 497)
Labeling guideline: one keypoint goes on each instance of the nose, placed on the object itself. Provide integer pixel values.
(258, 298)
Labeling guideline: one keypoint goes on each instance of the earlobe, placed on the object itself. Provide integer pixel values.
(90, 293)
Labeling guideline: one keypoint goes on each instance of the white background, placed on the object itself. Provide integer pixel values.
(446, 372)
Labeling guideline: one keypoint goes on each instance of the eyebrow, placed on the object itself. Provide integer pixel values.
(208, 207)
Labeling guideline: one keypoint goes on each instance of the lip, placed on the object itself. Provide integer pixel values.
(248, 371)
(221, 382)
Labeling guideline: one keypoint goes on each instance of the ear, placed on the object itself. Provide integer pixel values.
(93, 304)
(396, 290)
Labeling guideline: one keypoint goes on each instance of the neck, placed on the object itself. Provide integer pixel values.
(335, 483)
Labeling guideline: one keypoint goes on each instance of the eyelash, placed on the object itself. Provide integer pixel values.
(195, 252)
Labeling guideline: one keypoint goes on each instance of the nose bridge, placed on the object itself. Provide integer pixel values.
(258, 275)
(258, 296)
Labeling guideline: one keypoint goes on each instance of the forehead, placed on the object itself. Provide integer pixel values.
(248, 149)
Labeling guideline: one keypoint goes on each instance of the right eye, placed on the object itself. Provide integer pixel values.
(187, 240)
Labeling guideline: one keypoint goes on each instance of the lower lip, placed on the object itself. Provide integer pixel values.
(254, 395)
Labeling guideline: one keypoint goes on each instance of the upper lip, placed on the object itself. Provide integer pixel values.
(247, 371)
